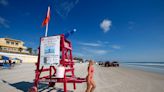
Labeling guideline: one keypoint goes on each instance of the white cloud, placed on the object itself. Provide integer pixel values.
(63, 7)
(100, 44)
(116, 46)
(106, 42)
(100, 51)
(90, 44)
(95, 51)
(4, 2)
(99, 41)
(3, 22)
(106, 25)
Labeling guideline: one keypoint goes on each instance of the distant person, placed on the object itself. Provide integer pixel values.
(90, 81)
(10, 62)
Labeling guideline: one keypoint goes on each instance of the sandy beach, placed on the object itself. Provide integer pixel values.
(20, 78)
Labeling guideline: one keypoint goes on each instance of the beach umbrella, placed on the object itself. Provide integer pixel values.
(5, 58)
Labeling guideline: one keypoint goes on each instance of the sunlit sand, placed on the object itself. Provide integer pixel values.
(110, 79)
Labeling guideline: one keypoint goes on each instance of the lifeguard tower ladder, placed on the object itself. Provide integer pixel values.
(66, 60)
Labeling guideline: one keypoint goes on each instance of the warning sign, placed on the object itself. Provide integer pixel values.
(49, 51)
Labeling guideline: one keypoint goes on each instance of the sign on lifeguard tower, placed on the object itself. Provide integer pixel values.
(49, 51)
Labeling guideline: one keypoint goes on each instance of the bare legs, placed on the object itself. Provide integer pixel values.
(90, 86)
(93, 85)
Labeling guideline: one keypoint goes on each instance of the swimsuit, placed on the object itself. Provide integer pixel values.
(90, 72)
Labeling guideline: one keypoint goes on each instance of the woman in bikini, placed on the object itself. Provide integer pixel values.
(90, 82)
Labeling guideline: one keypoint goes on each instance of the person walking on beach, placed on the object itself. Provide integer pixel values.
(90, 82)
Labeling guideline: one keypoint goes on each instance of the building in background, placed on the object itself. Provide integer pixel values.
(12, 46)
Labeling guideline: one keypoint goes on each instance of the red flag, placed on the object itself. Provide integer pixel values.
(47, 19)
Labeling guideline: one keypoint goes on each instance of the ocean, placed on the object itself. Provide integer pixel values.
(157, 67)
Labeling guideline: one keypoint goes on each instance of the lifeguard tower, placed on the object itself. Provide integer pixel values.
(55, 51)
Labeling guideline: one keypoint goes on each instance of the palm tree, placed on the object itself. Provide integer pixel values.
(35, 52)
(29, 50)
(20, 49)
(0, 48)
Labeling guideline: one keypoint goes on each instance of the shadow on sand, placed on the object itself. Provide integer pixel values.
(24, 86)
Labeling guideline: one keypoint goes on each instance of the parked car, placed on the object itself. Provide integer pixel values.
(107, 64)
(16, 61)
(115, 64)
(100, 63)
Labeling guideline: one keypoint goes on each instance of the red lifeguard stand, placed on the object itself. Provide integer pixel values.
(66, 60)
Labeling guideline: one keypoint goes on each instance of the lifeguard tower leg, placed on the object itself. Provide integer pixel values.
(51, 84)
(71, 57)
(65, 84)
(35, 87)
(74, 85)
(36, 80)
(37, 74)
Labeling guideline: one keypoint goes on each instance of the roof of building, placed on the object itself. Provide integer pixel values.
(13, 39)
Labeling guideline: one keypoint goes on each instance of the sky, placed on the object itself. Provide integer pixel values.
(123, 30)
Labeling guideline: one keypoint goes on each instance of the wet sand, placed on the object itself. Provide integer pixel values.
(20, 78)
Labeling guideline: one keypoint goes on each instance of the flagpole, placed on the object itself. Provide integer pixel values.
(48, 12)
(46, 30)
